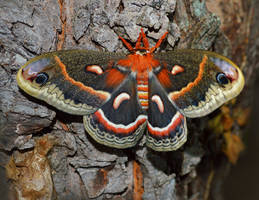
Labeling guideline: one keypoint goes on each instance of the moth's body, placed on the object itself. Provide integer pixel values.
(119, 95)
(141, 64)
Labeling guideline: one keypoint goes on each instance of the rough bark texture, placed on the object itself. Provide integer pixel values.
(48, 155)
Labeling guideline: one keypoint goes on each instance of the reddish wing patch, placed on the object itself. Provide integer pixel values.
(164, 78)
(161, 132)
(114, 77)
(119, 128)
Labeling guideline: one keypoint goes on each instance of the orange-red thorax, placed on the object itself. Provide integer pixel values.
(140, 63)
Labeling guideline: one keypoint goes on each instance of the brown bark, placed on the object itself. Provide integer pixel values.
(40, 143)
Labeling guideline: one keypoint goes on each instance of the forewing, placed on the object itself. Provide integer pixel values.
(74, 81)
(196, 81)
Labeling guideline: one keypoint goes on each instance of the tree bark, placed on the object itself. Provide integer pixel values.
(48, 155)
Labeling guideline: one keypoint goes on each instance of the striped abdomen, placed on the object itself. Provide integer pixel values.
(142, 91)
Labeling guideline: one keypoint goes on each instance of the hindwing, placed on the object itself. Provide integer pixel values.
(166, 129)
(120, 122)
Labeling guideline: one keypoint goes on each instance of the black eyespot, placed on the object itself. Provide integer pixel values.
(42, 78)
(222, 78)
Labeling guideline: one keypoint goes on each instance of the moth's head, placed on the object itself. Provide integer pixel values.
(35, 74)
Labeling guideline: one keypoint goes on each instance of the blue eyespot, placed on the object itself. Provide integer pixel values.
(42, 78)
(222, 78)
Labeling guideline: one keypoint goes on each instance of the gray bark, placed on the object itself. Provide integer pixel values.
(52, 148)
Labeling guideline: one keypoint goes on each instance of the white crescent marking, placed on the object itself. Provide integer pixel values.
(158, 129)
(121, 126)
(176, 69)
(119, 99)
(159, 102)
(95, 69)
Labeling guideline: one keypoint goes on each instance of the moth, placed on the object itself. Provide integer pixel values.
(121, 96)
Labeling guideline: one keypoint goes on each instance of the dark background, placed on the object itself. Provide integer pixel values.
(243, 181)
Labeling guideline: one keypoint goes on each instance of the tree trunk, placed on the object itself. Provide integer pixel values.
(47, 154)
